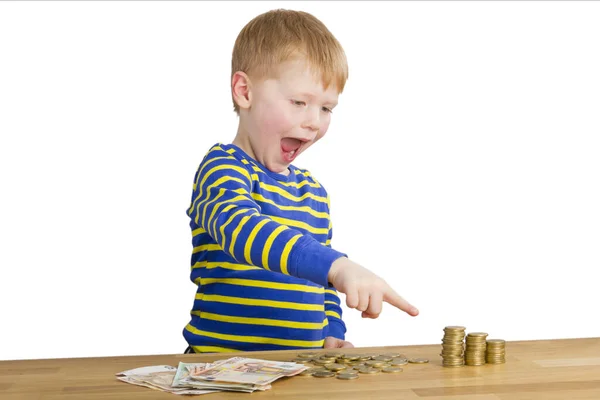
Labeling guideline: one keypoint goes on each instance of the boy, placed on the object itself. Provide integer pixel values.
(266, 273)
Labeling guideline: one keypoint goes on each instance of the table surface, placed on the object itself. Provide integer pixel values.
(544, 369)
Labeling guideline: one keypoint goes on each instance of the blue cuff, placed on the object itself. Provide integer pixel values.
(337, 329)
(312, 261)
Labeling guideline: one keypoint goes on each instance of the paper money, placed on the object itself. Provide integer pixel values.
(157, 377)
(249, 371)
(235, 374)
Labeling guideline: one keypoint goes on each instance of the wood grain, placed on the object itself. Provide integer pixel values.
(535, 370)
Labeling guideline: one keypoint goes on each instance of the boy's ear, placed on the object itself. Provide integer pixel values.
(240, 89)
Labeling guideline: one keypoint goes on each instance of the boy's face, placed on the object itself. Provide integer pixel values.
(286, 116)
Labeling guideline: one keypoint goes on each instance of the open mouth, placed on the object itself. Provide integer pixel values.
(289, 148)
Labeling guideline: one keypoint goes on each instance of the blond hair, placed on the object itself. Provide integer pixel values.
(281, 35)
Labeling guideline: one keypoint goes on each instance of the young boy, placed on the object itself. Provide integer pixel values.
(266, 273)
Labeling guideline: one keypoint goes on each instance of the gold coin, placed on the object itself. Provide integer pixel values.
(335, 367)
(477, 334)
(392, 355)
(368, 370)
(323, 374)
(321, 361)
(383, 358)
(418, 360)
(333, 355)
(374, 363)
(308, 355)
(302, 360)
(399, 361)
(347, 376)
(392, 369)
(311, 371)
(367, 356)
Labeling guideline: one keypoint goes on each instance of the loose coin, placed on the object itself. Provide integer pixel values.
(335, 367)
(308, 355)
(392, 369)
(368, 370)
(321, 361)
(365, 357)
(302, 360)
(418, 360)
(383, 358)
(375, 363)
(347, 376)
(323, 374)
(311, 371)
(327, 358)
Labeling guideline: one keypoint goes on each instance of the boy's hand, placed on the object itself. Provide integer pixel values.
(364, 290)
(335, 343)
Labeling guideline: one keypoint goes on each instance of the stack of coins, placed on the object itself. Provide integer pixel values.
(495, 352)
(453, 346)
(475, 349)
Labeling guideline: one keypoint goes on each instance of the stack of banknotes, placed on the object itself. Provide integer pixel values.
(234, 374)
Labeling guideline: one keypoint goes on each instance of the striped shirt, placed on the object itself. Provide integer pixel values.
(261, 255)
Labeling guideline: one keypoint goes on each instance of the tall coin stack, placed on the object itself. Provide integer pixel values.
(496, 351)
(475, 349)
(453, 346)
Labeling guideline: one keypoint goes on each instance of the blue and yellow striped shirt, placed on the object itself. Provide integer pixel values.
(261, 257)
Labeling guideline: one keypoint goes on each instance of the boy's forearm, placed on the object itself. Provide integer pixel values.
(312, 261)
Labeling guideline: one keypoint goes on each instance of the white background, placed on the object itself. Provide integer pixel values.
(462, 163)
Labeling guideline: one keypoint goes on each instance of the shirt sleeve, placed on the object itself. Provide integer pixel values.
(223, 206)
(333, 309)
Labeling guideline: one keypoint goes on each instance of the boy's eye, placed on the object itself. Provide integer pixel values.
(302, 104)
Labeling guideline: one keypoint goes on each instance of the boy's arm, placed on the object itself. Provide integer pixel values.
(223, 206)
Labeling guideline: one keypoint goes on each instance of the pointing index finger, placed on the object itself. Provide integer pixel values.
(393, 298)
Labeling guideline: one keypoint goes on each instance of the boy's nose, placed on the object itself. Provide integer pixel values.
(312, 120)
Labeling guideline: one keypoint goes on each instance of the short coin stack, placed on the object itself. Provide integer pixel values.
(496, 351)
(453, 346)
(475, 349)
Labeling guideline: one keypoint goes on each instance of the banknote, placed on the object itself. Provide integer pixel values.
(158, 377)
(247, 371)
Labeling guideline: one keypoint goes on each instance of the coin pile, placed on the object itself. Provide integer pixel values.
(496, 351)
(348, 366)
(475, 349)
(453, 346)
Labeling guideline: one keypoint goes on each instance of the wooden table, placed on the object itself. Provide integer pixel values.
(554, 369)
